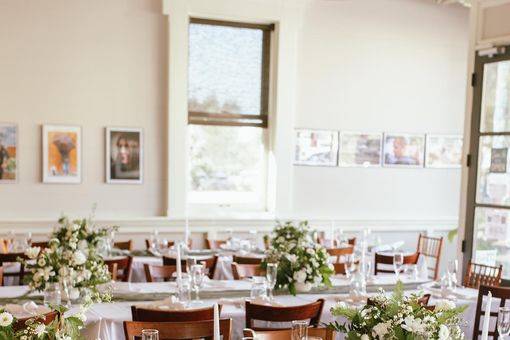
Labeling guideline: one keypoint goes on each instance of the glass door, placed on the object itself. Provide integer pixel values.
(488, 213)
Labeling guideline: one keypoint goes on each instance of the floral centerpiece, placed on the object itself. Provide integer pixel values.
(399, 317)
(302, 262)
(61, 328)
(71, 260)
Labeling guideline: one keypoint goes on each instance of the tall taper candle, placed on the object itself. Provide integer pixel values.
(179, 269)
(486, 318)
(216, 322)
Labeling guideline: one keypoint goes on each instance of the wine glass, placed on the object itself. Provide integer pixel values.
(162, 246)
(271, 273)
(398, 263)
(504, 322)
(150, 334)
(349, 265)
(299, 330)
(197, 278)
(453, 267)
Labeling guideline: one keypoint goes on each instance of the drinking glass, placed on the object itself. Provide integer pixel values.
(190, 261)
(349, 265)
(504, 322)
(185, 290)
(258, 288)
(52, 295)
(271, 273)
(366, 268)
(398, 262)
(299, 330)
(150, 334)
(453, 267)
(197, 278)
(162, 245)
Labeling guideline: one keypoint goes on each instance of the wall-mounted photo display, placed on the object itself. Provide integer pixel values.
(316, 147)
(124, 155)
(8, 152)
(499, 160)
(404, 150)
(61, 149)
(443, 151)
(360, 149)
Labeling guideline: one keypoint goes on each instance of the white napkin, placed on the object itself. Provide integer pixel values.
(265, 301)
(25, 310)
(171, 303)
(238, 303)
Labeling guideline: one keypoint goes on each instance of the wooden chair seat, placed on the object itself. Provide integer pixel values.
(179, 330)
(124, 245)
(481, 274)
(388, 260)
(120, 269)
(13, 259)
(310, 312)
(189, 315)
(246, 260)
(242, 271)
(430, 248)
(155, 273)
(503, 294)
(285, 334)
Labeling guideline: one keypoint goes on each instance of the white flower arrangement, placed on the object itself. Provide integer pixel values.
(399, 317)
(302, 262)
(71, 258)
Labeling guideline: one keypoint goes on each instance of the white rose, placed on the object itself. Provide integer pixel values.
(83, 245)
(40, 329)
(32, 252)
(310, 251)
(300, 276)
(444, 305)
(292, 258)
(444, 333)
(79, 258)
(5, 319)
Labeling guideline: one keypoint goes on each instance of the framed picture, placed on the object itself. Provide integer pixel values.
(360, 149)
(124, 155)
(404, 150)
(443, 151)
(499, 159)
(61, 154)
(316, 147)
(8, 153)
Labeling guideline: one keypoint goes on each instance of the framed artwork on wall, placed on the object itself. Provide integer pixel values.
(404, 150)
(61, 150)
(8, 153)
(360, 149)
(443, 151)
(316, 147)
(124, 155)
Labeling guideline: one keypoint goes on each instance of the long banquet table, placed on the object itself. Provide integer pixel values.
(104, 321)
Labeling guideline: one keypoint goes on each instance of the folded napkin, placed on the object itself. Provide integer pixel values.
(265, 301)
(26, 310)
(171, 303)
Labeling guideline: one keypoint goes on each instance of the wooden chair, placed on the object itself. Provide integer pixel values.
(45, 319)
(338, 252)
(210, 264)
(481, 274)
(179, 330)
(327, 242)
(285, 334)
(154, 273)
(242, 271)
(247, 260)
(1, 276)
(431, 247)
(148, 244)
(188, 315)
(500, 293)
(120, 268)
(124, 245)
(388, 260)
(13, 259)
(214, 244)
(42, 245)
(310, 312)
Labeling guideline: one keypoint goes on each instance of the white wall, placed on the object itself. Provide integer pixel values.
(383, 66)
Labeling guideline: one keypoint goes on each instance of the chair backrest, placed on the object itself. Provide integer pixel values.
(45, 319)
(338, 252)
(285, 334)
(154, 273)
(124, 245)
(246, 259)
(1, 276)
(188, 315)
(481, 274)
(431, 247)
(42, 244)
(210, 264)
(242, 271)
(500, 293)
(214, 244)
(327, 242)
(179, 330)
(388, 260)
(310, 312)
(120, 268)
(13, 258)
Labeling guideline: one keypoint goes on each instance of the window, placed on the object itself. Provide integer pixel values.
(228, 104)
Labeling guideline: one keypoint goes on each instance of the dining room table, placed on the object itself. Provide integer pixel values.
(105, 320)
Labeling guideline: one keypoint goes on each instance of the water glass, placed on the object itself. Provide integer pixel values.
(504, 322)
(197, 277)
(190, 261)
(150, 334)
(398, 263)
(271, 274)
(453, 267)
(366, 268)
(350, 265)
(258, 288)
(299, 330)
(52, 295)
(185, 290)
(162, 246)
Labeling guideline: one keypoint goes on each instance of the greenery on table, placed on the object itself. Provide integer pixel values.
(61, 328)
(302, 262)
(71, 260)
(399, 317)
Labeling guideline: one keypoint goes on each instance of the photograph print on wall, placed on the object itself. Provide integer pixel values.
(61, 154)
(124, 155)
(360, 149)
(316, 147)
(404, 150)
(8, 153)
(443, 151)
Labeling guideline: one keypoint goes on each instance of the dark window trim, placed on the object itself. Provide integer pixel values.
(474, 144)
(233, 119)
